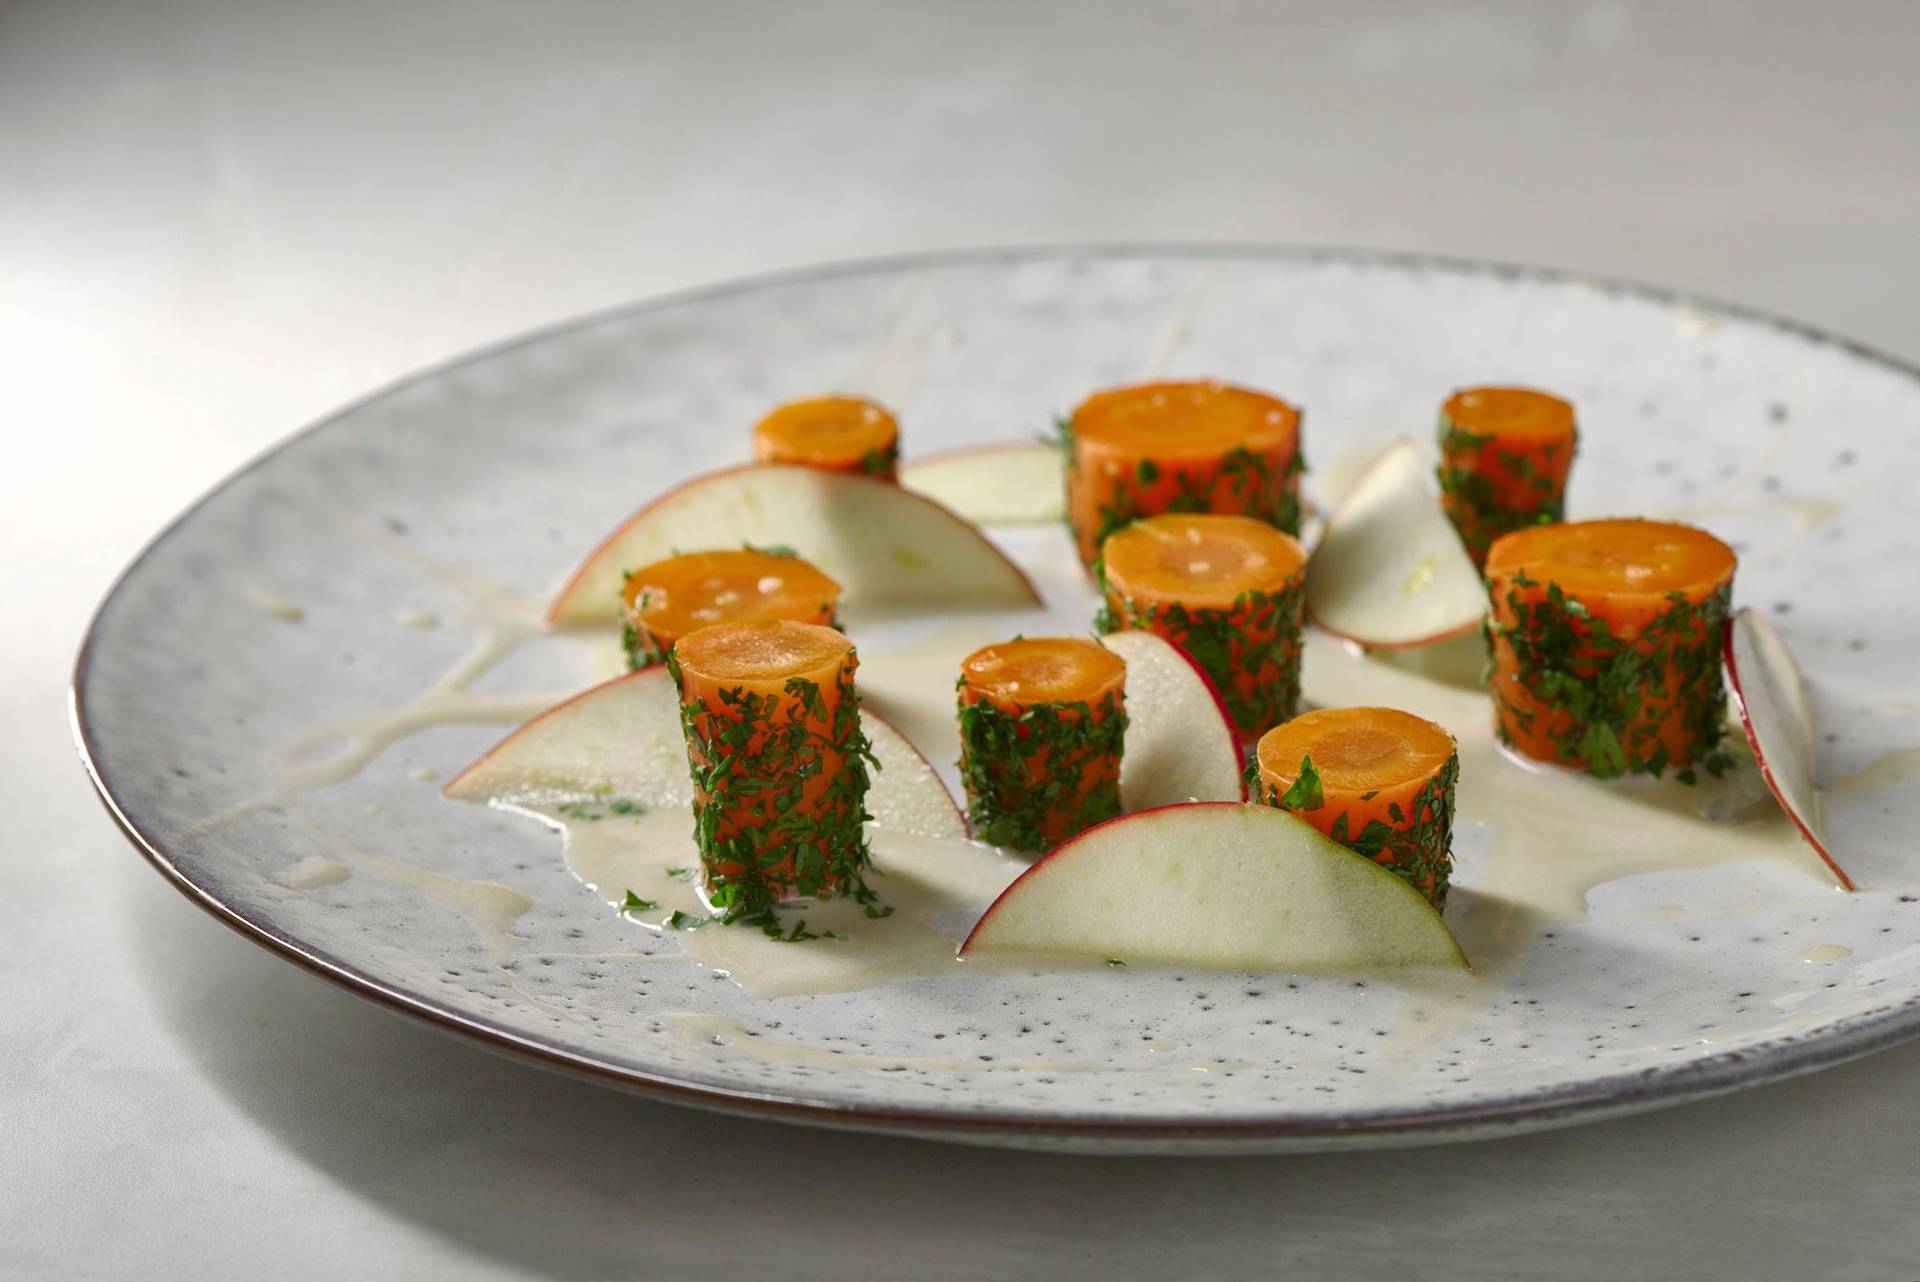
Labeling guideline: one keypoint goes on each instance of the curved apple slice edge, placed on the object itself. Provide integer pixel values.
(1770, 696)
(949, 557)
(1011, 483)
(1385, 532)
(1218, 884)
(1180, 742)
(623, 737)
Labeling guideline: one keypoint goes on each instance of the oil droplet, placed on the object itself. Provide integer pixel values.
(1822, 953)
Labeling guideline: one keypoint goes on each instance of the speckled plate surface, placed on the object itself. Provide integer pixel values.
(234, 698)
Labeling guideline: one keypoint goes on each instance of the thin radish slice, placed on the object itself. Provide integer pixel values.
(1019, 483)
(888, 547)
(622, 740)
(1777, 716)
(1390, 572)
(1179, 743)
(1215, 884)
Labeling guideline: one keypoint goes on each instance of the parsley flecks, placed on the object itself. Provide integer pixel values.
(1417, 846)
(1250, 650)
(881, 462)
(1237, 483)
(635, 904)
(1036, 775)
(600, 808)
(1601, 701)
(1489, 492)
(764, 826)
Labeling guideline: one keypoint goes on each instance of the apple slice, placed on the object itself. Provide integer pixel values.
(1390, 572)
(1179, 744)
(886, 546)
(1019, 483)
(1215, 884)
(622, 739)
(1777, 716)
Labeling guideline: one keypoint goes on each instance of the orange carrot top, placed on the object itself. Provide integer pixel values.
(779, 763)
(1180, 447)
(1605, 641)
(1229, 590)
(1041, 726)
(835, 433)
(1377, 780)
(1504, 456)
(664, 601)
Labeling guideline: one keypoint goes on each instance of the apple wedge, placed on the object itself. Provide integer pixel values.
(1019, 483)
(886, 546)
(1777, 717)
(1216, 884)
(1179, 744)
(1389, 571)
(622, 739)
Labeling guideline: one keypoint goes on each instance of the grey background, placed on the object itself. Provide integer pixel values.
(217, 221)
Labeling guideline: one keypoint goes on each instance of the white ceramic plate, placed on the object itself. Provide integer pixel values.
(268, 696)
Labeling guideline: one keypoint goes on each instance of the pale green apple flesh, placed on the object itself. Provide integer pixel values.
(1389, 571)
(1221, 885)
(1179, 745)
(888, 547)
(1777, 718)
(1021, 483)
(622, 739)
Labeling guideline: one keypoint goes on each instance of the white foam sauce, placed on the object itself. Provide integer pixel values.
(1533, 842)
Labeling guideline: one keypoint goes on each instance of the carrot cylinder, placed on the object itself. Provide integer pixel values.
(1504, 456)
(1041, 726)
(1180, 447)
(1377, 780)
(1229, 590)
(665, 601)
(834, 433)
(1605, 645)
(779, 762)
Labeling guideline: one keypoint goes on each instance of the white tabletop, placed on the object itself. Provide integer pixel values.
(218, 220)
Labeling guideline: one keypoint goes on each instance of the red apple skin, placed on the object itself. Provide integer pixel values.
(1063, 848)
(658, 673)
(1759, 758)
(1417, 643)
(973, 530)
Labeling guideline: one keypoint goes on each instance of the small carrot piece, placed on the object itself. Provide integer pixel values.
(779, 762)
(1180, 447)
(665, 601)
(1504, 457)
(1228, 590)
(1377, 780)
(1605, 643)
(1042, 722)
(834, 433)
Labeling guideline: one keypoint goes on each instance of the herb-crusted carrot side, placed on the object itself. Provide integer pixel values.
(1377, 780)
(1042, 722)
(1604, 645)
(779, 762)
(1229, 590)
(665, 601)
(834, 433)
(1179, 447)
(1504, 457)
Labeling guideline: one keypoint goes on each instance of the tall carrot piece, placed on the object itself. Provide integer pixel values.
(1504, 457)
(1229, 590)
(1377, 780)
(834, 433)
(1180, 447)
(1605, 645)
(666, 600)
(1042, 723)
(779, 762)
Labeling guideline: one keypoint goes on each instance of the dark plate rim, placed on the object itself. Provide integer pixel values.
(1726, 1071)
